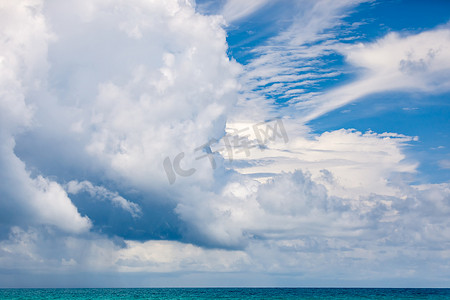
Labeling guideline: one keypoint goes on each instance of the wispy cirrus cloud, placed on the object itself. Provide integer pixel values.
(234, 10)
(417, 62)
(293, 69)
(289, 66)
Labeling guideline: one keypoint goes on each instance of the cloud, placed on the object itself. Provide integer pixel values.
(444, 164)
(293, 223)
(291, 71)
(346, 155)
(169, 89)
(160, 85)
(416, 62)
(96, 95)
(29, 199)
(75, 187)
(288, 67)
(292, 228)
(98, 254)
(234, 10)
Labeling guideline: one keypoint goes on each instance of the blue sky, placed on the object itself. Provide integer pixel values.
(224, 143)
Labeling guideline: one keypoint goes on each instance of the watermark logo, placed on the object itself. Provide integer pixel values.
(232, 144)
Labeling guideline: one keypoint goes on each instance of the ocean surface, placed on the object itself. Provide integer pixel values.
(226, 293)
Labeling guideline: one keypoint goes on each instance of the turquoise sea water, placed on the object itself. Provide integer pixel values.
(226, 293)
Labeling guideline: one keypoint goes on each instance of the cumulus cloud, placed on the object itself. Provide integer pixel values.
(96, 95)
(346, 156)
(36, 198)
(109, 94)
(293, 223)
(168, 90)
(98, 254)
(289, 224)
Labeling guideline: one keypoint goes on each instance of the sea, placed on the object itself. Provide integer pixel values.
(227, 293)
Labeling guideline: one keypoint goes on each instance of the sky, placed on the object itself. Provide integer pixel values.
(177, 143)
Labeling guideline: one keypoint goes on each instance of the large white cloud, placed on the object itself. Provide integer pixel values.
(113, 88)
(162, 84)
(109, 89)
(24, 67)
(349, 163)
